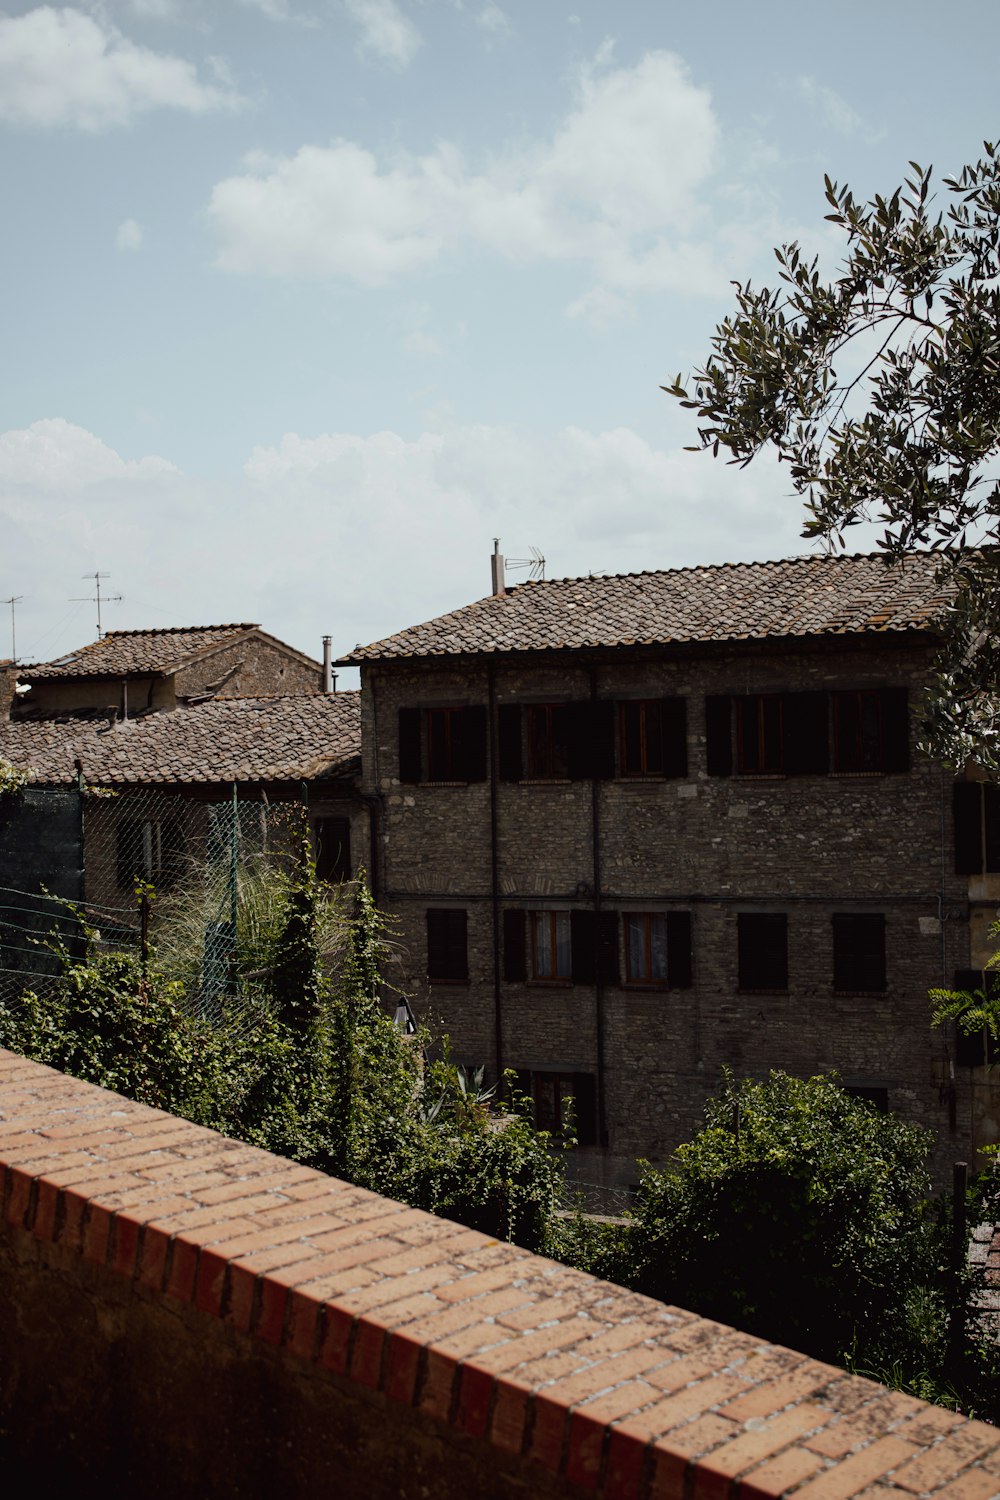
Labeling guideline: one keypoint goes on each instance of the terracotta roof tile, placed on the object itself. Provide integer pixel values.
(123, 651)
(796, 596)
(293, 737)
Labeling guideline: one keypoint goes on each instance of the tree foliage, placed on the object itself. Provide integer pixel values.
(309, 1066)
(879, 388)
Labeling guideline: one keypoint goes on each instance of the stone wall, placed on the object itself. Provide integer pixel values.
(808, 846)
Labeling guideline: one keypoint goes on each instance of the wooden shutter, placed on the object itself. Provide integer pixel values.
(763, 951)
(805, 721)
(967, 820)
(470, 752)
(591, 740)
(583, 934)
(719, 733)
(447, 945)
(585, 1102)
(991, 825)
(607, 947)
(515, 954)
(895, 729)
(511, 765)
(675, 749)
(409, 744)
(679, 950)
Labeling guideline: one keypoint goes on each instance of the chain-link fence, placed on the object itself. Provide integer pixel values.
(197, 883)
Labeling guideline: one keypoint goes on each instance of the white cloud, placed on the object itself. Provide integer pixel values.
(494, 20)
(384, 30)
(64, 68)
(129, 235)
(400, 527)
(832, 108)
(617, 186)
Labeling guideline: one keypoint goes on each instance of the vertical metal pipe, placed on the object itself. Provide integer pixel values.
(595, 833)
(495, 871)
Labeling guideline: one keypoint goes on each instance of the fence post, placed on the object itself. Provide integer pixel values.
(960, 1183)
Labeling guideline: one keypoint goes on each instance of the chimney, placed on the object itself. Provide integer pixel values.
(499, 587)
(328, 678)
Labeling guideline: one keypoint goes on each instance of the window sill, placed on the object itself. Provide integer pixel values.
(647, 986)
(550, 984)
(857, 775)
(442, 783)
(546, 781)
(450, 984)
(764, 775)
(769, 990)
(860, 994)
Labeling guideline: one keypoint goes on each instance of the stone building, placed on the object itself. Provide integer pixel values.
(638, 829)
(135, 671)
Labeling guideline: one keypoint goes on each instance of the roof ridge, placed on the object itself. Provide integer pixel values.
(770, 562)
(175, 630)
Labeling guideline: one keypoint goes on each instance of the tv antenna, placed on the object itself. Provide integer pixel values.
(14, 599)
(95, 598)
(535, 564)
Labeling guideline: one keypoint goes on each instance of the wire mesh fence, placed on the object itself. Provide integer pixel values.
(194, 884)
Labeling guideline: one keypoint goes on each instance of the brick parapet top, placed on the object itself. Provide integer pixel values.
(620, 1395)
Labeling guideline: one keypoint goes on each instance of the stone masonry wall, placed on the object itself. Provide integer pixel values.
(808, 846)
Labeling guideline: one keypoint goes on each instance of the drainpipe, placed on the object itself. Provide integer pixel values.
(595, 826)
(495, 869)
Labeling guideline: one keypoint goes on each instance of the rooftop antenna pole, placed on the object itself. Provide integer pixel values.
(14, 599)
(96, 598)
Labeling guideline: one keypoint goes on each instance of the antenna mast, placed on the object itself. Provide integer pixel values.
(14, 599)
(95, 598)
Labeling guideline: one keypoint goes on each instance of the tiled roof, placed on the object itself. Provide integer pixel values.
(294, 737)
(123, 651)
(798, 596)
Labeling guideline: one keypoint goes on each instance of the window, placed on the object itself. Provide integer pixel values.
(653, 737)
(447, 946)
(547, 741)
(976, 809)
(859, 954)
(333, 849)
(148, 849)
(645, 948)
(442, 744)
(551, 947)
(763, 951)
(759, 737)
(872, 1093)
(870, 730)
(562, 1100)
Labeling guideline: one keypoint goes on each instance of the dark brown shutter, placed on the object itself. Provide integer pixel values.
(447, 945)
(591, 740)
(675, 749)
(763, 951)
(991, 825)
(515, 955)
(583, 935)
(409, 744)
(719, 733)
(967, 819)
(895, 729)
(511, 767)
(470, 751)
(585, 1102)
(607, 947)
(805, 721)
(679, 950)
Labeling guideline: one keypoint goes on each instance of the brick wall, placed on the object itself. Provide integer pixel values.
(250, 667)
(192, 1315)
(809, 846)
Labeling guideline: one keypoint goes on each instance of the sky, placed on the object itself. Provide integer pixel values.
(306, 301)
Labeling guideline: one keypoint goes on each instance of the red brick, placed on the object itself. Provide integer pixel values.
(153, 1249)
(124, 1244)
(19, 1185)
(335, 1338)
(772, 1396)
(475, 1392)
(947, 1458)
(272, 1302)
(779, 1474)
(974, 1484)
(715, 1473)
(515, 1353)
(854, 1473)
(182, 1269)
(366, 1353)
(467, 1287)
(588, 1425)
(211, 1281)
(238, 1296)
(625, 1463)
(46, 1208)
(510, 1411)
(96, 1233)
(437, 1384)
(301, 1321)
(402, 1367)
(671, 1456)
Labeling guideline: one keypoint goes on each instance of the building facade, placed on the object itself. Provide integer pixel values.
(638, 830)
